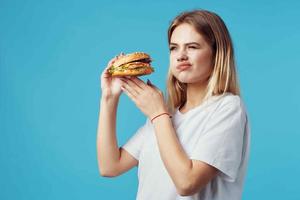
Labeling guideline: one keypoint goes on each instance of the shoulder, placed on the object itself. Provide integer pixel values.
(231, 103)
(231, 100)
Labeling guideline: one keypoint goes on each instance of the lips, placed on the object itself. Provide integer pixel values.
(183, 66)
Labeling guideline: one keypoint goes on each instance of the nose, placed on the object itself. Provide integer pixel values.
(182, 56)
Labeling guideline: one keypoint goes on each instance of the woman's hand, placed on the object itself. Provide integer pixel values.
(110, 86)
(148, 98)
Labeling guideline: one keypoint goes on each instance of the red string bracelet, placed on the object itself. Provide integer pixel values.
(165, 113)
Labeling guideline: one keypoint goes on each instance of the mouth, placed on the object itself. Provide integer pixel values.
(183, 66)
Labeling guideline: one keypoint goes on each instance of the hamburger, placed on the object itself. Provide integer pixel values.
(133, 64)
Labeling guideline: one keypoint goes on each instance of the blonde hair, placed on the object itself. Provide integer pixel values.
(223, 77)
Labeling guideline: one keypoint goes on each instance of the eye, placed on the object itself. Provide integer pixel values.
(171, 48)
(193, 47)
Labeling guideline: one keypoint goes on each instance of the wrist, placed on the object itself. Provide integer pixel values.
(109, 99)
(108, 96)
(160, 115)
(159, 110)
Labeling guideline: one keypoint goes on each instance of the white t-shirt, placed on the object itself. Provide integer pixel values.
(216, 132)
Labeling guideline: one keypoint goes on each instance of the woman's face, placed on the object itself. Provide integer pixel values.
(190, 55)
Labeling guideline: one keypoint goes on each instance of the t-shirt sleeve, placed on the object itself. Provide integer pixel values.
(221, 144)
(134, 145)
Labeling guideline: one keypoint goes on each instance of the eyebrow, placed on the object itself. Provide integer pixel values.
(189, 43)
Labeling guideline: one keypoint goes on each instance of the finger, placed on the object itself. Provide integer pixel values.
(107, 68)
(129, 88)
(112, 61)
(153, 87)
(151, 84)
(115, 58)
(133, 85)
(139, 82)
(106, 72)
(128, 93)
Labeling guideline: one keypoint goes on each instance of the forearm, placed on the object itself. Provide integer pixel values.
(178, 164)
(107, 145)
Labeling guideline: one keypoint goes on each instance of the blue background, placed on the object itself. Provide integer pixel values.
(51, 57)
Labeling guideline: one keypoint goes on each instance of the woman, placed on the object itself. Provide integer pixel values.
(196, 145)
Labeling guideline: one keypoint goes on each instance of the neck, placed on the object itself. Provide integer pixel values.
(195, 95)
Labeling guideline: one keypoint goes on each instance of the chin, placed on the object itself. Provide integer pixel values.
(184, 78)
(190, 79)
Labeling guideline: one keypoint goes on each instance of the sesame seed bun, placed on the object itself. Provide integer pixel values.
(133, 64)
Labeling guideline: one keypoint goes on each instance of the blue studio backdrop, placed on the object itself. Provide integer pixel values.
(53, 52)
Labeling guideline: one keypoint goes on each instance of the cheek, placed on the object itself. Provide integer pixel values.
(172, 70)
(172, 59)
(172, 62)
(205, 61)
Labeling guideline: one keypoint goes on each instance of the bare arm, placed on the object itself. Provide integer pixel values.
(189, 176)
(112, 160)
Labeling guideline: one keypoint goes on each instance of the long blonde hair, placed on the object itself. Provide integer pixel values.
(223, 77)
